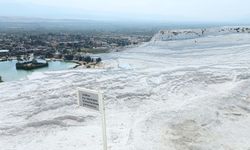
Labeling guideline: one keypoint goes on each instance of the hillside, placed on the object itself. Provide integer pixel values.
(165, 35)
(192, 93)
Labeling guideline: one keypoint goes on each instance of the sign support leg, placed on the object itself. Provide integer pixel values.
(104, 133)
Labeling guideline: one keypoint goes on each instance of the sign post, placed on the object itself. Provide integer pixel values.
(94, 100)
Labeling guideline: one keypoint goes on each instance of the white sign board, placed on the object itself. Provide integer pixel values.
(93, 100)
(89, 98)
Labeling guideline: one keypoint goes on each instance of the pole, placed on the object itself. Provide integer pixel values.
(104, 133)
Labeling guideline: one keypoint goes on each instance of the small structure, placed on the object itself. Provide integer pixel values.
(58, 55)
(4, 58)
(29, 65)
(4, 52)
(68, 57)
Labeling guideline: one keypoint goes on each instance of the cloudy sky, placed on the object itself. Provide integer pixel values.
(155, 10)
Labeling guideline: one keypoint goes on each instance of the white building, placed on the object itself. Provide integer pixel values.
(4, 52)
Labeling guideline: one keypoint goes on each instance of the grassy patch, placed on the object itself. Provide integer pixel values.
(95, 51)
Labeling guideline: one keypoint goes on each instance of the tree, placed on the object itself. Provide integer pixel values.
(19, 58)
(98, 60)
(87, 59)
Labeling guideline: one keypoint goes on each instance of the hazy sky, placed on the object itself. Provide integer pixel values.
(156, 10)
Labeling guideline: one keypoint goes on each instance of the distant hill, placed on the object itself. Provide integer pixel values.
(24, 23)
(36, 24)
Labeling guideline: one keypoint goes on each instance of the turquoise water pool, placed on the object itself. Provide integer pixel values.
(8, 70)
